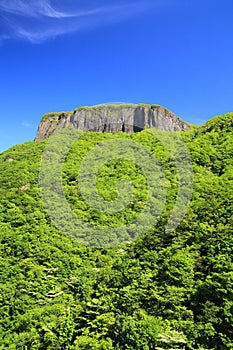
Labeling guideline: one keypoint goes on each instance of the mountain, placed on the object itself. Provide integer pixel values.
(111, 118)
(164, 289)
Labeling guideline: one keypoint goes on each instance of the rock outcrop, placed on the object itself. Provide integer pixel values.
(111, 118)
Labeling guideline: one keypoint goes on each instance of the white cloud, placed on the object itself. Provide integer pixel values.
(4, 37)
(38, 20)
(37, 37)
(27, 125)
(31, 8)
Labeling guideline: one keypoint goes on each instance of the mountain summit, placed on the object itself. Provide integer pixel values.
(111, 118)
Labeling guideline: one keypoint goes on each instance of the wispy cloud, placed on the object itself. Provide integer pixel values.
(28, 125)
(31, 8)
(3, 37)
(39, 20)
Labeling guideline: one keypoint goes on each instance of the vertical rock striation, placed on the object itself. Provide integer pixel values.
(111, 118)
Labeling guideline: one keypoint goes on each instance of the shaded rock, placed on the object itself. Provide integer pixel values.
(111, 118)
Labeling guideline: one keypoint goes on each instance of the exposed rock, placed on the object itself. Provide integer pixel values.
(24, 188)
(8, 159)
(111, 118)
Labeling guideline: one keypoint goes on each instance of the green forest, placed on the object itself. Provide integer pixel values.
(162, 290)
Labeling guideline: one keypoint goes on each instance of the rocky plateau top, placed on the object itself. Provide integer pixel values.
(111, 118)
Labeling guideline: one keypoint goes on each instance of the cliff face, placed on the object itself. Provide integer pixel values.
(111, 118)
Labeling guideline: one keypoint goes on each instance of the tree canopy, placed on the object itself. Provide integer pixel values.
(162, 290)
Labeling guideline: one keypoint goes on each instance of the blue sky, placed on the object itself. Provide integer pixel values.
(56, 55)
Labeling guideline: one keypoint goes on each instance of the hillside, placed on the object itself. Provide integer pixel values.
(163, 289)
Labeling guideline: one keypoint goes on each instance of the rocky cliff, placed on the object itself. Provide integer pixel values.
(111, 118)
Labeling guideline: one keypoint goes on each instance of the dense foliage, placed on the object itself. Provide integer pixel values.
(163, 291)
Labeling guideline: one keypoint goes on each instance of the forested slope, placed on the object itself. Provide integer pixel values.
(165, 290)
